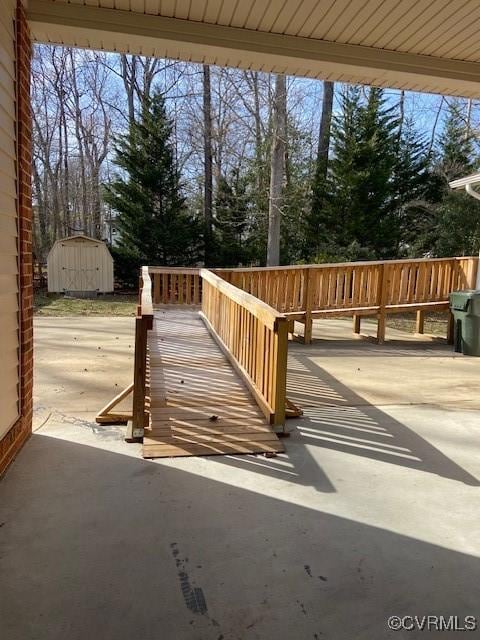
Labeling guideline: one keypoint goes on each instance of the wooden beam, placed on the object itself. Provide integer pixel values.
(106, 415)
(135, 32)
(292, 410)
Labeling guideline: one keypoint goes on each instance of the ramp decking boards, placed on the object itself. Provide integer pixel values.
(199, 406)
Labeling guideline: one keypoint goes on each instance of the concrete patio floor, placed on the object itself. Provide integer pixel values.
(372, 511)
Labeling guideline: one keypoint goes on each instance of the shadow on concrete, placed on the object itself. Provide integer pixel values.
(393, 348)
(97, 544)
(338, 418)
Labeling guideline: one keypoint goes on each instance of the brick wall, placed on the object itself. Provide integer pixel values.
(14, 439)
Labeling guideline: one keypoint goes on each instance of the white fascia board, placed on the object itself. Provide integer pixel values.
(128, 31)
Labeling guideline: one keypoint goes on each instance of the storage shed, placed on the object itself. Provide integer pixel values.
(80, 264)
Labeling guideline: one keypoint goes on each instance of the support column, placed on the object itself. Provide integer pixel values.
(382, 299)
(307, 307)
(450, 328)
(419, 325)
(356, 324)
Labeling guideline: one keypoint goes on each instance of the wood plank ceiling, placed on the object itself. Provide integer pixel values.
(424, 45)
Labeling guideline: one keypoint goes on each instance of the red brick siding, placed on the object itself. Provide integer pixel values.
(14, 439)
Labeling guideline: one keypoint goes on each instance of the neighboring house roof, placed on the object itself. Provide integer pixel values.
(474, 178)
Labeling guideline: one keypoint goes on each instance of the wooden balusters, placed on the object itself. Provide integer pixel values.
(360, 288)
(255, 339)
(174, 285)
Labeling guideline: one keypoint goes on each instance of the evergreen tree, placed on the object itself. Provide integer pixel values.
(313, 217)
(361, 196)
(456, 231)
(416, 188)
(454, 224)
(154, 224)
(297, 196)
(326, 232)
(456, 144)
(230, 223)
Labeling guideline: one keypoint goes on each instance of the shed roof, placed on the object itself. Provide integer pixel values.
(419, 45)
(80, 235)
(61, 241)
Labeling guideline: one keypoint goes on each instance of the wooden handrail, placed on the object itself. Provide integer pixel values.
(324, 265)
(268, 315)
(182, 270)
(254, 337)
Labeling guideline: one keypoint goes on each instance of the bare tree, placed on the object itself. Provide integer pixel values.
(277, 170)
(208, 176)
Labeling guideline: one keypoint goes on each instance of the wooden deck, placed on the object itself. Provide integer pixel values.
(199, 405)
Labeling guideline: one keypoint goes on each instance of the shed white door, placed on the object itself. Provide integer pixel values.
(81, 269)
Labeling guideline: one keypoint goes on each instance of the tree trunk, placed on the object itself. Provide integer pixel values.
(434, 128)
(324, 134)
(469, 119)
(258, 138)
(129, 81)
(401, 108)
(277, 171)
(208, 192)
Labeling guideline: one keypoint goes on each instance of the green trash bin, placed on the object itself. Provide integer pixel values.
(465, 306)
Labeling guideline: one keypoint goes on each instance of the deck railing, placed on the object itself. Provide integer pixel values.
(250, 311)
(176, 285)
(254, 337)
(356, 288)
(143, 324)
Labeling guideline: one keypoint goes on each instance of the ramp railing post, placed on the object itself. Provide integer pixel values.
(143, 323)
(382, 298)
(307, 306)
(280, 373)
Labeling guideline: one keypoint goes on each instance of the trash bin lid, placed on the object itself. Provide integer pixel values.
(460, 300)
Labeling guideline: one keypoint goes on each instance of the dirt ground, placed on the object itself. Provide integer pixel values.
(57, 305)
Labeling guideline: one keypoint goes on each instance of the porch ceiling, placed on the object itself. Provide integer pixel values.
(419, 45)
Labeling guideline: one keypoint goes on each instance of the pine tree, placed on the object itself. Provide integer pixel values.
(456, 231)
(154, 224)
(416, 188)
(297, 195)
(456, 144)
(454, 225)
(313, 218)
(230, 222)
(360, 194)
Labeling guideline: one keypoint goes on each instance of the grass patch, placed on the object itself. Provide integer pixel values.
(435, 323)
(108, 305)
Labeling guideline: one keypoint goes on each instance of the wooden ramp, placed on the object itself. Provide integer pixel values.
(199, 406)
